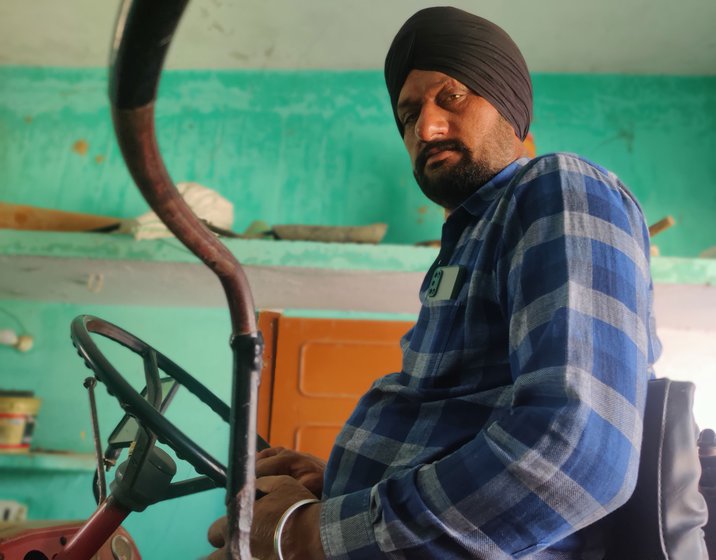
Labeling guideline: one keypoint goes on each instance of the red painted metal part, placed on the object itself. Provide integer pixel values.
(96, 530)
(46, 537)
(137, 139)
(136, 136)
(142, 37)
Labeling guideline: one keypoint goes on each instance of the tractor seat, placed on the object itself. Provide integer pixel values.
(666, 514)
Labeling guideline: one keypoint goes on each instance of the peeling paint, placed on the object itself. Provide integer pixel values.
(80, 147)
(265, 252)
(95, 282)
(320, 147)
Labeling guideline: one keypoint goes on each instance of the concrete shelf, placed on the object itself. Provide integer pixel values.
(115, 269)
(48, 461)
(109, 269)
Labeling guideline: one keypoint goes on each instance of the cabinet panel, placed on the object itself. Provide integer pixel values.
(323, 366)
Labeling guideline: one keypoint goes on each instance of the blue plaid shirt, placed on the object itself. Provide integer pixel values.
(516, 419)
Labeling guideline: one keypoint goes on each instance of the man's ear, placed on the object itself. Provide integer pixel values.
(529, 148)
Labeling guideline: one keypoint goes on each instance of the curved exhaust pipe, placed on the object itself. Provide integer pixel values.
(142, 37)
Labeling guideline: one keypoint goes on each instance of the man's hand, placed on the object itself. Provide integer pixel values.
(300, 539)
(305, 468)
(218, 535)
(285, 477)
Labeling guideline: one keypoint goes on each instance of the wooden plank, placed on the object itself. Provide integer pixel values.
(23, 217)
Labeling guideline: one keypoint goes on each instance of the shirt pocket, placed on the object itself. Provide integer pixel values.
(435, 332)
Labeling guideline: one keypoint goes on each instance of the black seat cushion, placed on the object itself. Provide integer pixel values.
(707, 485)
(663, 519)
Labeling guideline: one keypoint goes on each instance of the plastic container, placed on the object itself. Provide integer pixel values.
(18, 410)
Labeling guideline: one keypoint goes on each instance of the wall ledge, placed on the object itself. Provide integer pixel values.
(48, 461)
(104, 269)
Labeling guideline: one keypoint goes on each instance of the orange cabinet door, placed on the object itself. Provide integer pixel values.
(322, 368)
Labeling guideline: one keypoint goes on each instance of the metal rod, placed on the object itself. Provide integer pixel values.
(142, 37)
(240, 488)
(90, 384)
(137, 140)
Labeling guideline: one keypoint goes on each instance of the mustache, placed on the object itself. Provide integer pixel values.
(439, 146)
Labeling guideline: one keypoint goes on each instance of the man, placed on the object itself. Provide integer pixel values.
(515, 423)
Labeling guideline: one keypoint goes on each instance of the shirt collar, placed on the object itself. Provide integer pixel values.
(474, 207)
(478, 202)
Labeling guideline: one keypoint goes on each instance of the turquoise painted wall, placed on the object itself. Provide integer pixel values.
(657, 133)
(321, 147)
(311, 147)
(195, 338)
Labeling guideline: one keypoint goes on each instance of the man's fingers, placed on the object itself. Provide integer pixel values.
(305, 468)
(268, 484)
(217, 532)
(276, 465)
(270, 452)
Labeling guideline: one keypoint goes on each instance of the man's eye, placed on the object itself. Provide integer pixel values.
(455, 96)
(408, 118)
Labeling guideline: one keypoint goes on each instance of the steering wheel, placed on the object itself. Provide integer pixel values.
(147, 414)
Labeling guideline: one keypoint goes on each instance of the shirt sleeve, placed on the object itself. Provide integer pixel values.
(573, 281)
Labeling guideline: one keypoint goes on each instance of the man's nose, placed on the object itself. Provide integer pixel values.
(432, 123)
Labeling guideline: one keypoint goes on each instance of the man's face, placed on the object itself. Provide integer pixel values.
(457, 141)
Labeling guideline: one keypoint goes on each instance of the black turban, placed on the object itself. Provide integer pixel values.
(469, 49)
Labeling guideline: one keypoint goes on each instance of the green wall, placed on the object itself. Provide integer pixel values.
(310, 147)
(657, 133)
(195, 338)
(321, 147)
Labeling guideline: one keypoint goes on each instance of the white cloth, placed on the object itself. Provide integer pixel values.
(206, 203)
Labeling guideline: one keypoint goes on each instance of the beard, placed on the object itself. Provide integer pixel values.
(449, 185)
